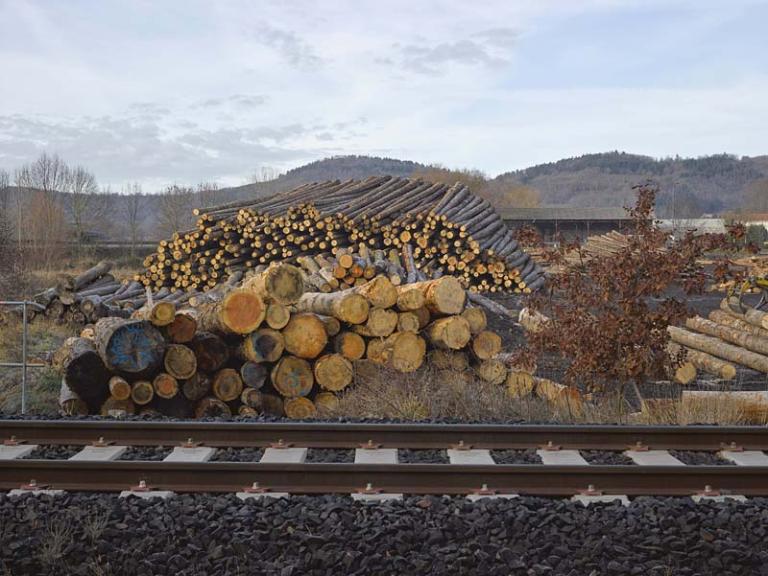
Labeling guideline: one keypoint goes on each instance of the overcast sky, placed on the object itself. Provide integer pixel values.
(186, 90)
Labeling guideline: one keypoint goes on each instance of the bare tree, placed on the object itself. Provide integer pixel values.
(175, 209)
(265, 174)
(132, 207)
(87, 206)
(208, 193)
(756, 196)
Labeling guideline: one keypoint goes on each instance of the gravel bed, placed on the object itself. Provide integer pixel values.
(54, 452)
(237, 455)
(407, 456)
(330, 456)
(700, 458)
(527, 456)
(190, 535)
(607, 458)
(146, 453)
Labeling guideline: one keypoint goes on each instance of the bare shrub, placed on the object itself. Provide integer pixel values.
(58, 536)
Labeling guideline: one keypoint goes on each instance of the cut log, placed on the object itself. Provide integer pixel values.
(277, 316)
(183, 327)
(251, 398)
(563, 397)
(332, 325)
(158, 314)
(532, 321)
(196, 387)
(212, 408)
(119, 388)
(292, 376)
(227, 384)
(333, 372)
(704, 362)
(380, 292)
(254, 375)
(443, 296)
(409, 299)
(326, 403)
(349, 345)
(476, 318)
(240, 311)
(264, 345)
(344, 305)
(305, 335)
(178, 406)
(130, 346)
(423, 315)
(485, 344)
(451, 332)
(165, 385)
(728, 319)
(272, 405)
(142, 392)
(210, 350)
(519, 384)
(381, 322)
(682, 370)
(407, 322)
(403, 351)
(300, 408)
(720, 349)
(732, 335)
(247, 411)
(280, 283)
(83, 371)
(70, 404)
(492, 371)
(180, 361)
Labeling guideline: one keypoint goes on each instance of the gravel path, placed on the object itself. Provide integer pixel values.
(700, 458)
(527, 456)
(422, 456)
(607, 458)
(218, 535)
(330, 456)
(53, 452)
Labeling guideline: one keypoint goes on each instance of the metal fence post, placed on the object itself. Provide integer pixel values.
(24, 358)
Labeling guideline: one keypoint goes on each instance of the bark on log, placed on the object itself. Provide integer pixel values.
(305, 335)
(728, 319)
(705, 362)
(728, 334)
(344, 305)
(130, 346)
(83, 371)
(238, 312)
(533, 321)
(563, 397)
(443, 296)
(720, 349)
(519, 384)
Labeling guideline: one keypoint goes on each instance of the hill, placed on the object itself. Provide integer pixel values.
(709, 184)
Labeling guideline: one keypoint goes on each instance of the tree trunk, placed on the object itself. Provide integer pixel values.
(344, 305)
(238, 312)
(280, 283)
(451, 332)
(728, 319)
(705, 362)
(719, 349)
(292, 376)
(131, 346)
(305, 335)
(443, 296)
(333, 372)
(728, 334)
(180, 361)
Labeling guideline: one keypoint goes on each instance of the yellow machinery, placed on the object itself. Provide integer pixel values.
(752, 285)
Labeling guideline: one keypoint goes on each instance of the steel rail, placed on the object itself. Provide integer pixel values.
(352, 435)
(399, 478)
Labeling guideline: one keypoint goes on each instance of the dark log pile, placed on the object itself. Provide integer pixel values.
(265, 345)
(435, 229)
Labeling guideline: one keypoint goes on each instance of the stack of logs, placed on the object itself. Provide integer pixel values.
(443, 229)
(728, 338)
(267, 346)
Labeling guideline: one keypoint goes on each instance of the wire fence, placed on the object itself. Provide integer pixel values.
(25, 306)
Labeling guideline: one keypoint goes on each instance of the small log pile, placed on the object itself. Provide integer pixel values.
(726, 339)
(265, 345)
(441, 229)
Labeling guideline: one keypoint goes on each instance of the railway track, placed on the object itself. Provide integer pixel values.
(376, 470)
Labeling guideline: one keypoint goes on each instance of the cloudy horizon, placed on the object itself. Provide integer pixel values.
(193, 90)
